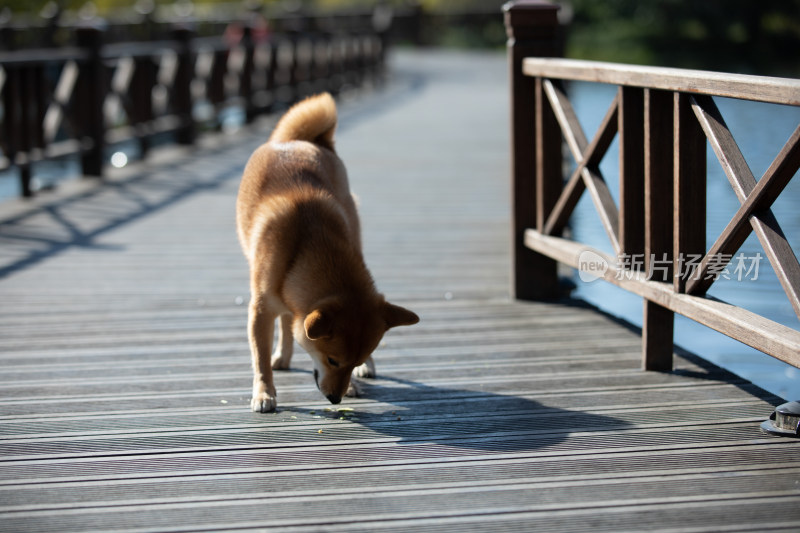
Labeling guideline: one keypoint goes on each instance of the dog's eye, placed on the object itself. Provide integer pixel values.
(332, 362)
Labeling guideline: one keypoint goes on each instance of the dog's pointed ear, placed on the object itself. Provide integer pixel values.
(318, 324)
(398, 316)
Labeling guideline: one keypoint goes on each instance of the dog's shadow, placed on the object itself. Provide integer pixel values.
(411, 412)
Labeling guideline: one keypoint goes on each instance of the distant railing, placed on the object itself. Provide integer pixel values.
(663, 119)
(77, 100)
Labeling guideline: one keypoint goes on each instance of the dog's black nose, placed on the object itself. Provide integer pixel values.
(333, 398)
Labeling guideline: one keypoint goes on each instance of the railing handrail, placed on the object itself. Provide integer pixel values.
(742, 86)
(32, 56)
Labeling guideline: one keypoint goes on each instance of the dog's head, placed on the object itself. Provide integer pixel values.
(340, 337)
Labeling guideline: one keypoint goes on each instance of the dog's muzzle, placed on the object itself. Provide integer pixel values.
(333, 398)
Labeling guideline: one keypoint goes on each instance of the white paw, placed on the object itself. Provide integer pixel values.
(263, 403)
(279, 362)
(353, 390)
(366, 370)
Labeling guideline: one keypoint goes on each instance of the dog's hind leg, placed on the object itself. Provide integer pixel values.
(283, 351)
(261, 326)
(367, 370)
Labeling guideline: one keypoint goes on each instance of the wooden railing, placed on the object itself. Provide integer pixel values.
(80, 99)
(663, 119)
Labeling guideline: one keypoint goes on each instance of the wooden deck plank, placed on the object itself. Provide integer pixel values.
(124, 364)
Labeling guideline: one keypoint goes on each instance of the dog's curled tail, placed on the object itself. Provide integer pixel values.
(313, 120)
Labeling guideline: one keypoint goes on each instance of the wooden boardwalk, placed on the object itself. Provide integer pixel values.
(125, 367)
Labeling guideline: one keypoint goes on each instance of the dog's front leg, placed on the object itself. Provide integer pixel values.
(260, 331)
(283, 351)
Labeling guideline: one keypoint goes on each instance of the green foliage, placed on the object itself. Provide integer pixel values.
(103, 7)
(730, 35)
(39, 7)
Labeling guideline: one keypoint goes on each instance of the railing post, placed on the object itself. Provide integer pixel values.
(382, 16)
(630, 120)
(658, 322)
(91, 96)
(182, 86)
(689, 240)
(689, 215)
(336, 69)
(294, 65)
(15, 124)
(141, 93)
(246, 76)
(216, 79)
(533, 30)
(271, 72)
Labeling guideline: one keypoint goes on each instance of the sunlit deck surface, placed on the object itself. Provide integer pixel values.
(125, 366)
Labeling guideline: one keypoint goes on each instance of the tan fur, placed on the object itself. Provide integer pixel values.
(313, 121)
(298, 227)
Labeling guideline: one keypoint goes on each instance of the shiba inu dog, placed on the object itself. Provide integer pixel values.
(298, 227)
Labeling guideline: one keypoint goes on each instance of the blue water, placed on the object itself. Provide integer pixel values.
(760, 131)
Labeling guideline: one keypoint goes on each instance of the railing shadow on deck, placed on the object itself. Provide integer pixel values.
(115, 204)
(663, 117)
